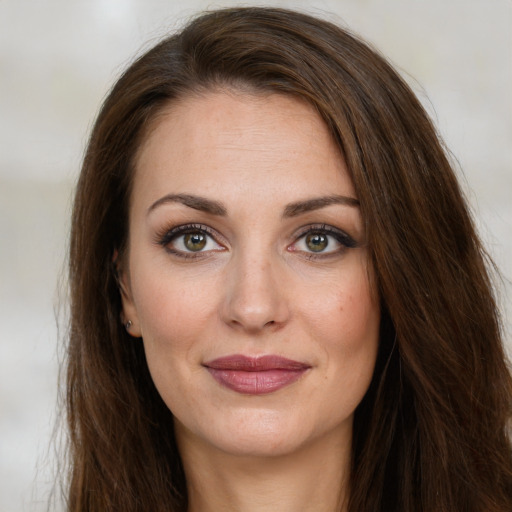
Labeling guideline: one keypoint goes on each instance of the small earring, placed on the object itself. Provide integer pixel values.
(128, 324)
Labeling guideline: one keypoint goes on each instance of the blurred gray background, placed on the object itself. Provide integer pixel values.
(58, 58)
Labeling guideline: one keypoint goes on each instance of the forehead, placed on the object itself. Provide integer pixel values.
(226, 140)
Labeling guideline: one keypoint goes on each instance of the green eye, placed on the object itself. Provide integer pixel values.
(195, 241)
(317, 242)
(191, 241)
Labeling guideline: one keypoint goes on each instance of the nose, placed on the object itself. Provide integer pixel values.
(255, 295)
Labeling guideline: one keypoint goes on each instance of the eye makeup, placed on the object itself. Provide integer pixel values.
(189, 241)
(196, 240)
(317, 241)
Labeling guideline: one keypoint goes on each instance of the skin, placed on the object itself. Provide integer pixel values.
(256, 288)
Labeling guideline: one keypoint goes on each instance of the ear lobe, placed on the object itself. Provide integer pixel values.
(129, 317)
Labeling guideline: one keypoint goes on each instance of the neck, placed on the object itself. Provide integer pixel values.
(314, 478)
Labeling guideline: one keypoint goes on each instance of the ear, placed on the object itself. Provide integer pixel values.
(129, 317)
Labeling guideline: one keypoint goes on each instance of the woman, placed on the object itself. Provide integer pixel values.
(278, 297)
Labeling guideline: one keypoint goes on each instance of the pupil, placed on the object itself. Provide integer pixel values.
(316, 242)
(195, 241)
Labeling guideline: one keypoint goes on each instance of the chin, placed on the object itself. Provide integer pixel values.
(271, 443)
(259, 434)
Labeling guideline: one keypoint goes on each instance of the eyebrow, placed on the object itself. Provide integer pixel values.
(300, 207)
(195, 202)
(217, 208)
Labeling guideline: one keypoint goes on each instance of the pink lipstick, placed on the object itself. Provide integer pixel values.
(255, 375)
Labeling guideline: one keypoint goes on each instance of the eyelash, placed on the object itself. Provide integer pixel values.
(167, 236)
(345, 240)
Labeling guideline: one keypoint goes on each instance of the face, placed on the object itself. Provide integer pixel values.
(246, 274)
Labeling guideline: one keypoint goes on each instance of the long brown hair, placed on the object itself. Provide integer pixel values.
(431, 432)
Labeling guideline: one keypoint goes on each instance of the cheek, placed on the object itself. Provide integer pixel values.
(347, 312)
(173, 318)
(177, 317)
(346, 328)
(359, 322)
(171, 310)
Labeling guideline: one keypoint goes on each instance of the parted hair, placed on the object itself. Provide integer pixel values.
(431, 433)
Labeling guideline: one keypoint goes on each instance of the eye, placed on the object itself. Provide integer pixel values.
(316, 242)
(194, 241)
(189, 240)
(322, 240)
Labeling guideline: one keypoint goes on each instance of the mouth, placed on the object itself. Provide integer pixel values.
(255, 375)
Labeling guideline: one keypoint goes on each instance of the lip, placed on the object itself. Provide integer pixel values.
(255, 375)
